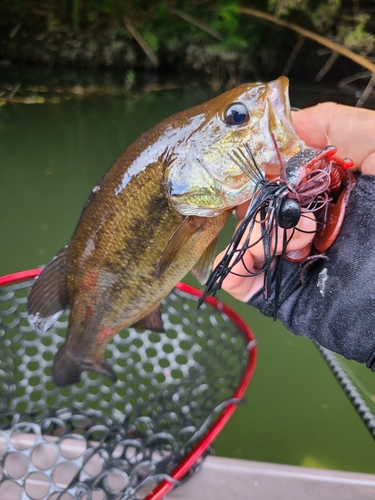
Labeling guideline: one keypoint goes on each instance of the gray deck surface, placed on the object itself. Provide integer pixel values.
(224, 479)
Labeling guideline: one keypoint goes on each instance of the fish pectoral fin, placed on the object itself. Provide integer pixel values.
(67, 368)
(48, 298)
(189, 226)
(203, 267)
(152, 321)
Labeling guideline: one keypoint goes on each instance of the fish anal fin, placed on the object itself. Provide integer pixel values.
(153, 321)
(203, 267)
(189, 226)
(48, 299)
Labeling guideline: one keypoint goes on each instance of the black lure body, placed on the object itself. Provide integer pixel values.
(277, 205)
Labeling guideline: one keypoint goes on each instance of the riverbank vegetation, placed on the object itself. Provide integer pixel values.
(213, 37)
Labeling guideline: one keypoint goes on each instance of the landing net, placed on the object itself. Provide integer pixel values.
(135, 439)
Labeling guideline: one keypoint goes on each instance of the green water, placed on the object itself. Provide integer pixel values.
(51, 156)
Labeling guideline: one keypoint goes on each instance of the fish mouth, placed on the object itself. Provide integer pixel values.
(285, 138)
(278, 97)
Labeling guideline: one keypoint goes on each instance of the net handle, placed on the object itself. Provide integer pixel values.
(185, 465)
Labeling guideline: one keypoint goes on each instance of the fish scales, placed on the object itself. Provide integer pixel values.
(127, 251)
(153, 217)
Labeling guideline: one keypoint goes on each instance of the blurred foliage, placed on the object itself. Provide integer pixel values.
(350, 23)
(357, 37)
(213, 27)
(210, 28)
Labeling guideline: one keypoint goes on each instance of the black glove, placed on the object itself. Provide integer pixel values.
(335, 306)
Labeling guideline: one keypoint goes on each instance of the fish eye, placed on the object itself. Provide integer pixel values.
(289, 213)
(236, 114)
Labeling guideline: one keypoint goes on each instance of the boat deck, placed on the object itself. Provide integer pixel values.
(226, 479)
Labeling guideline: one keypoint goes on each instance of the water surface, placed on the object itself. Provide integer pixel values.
(51, 155)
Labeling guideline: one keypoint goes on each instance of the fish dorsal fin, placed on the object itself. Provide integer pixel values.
(189, 226)
(203, 267)
(152, 321)
(48, 297)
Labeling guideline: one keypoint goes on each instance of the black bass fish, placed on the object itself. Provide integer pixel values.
(153, 217)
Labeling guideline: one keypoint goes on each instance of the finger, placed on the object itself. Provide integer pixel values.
(311, 127)
(304, 232)
(348, 128)
(240, 283)
(301, 236)
(242, 209)
(368, 165)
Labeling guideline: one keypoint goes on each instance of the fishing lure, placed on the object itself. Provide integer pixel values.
(313, 181)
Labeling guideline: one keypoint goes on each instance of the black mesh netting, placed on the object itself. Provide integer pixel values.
(98, 440)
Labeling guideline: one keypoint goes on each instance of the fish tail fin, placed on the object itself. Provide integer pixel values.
(67, 368)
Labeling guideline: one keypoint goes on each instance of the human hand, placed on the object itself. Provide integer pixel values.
(352, 131)
(242, 286)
